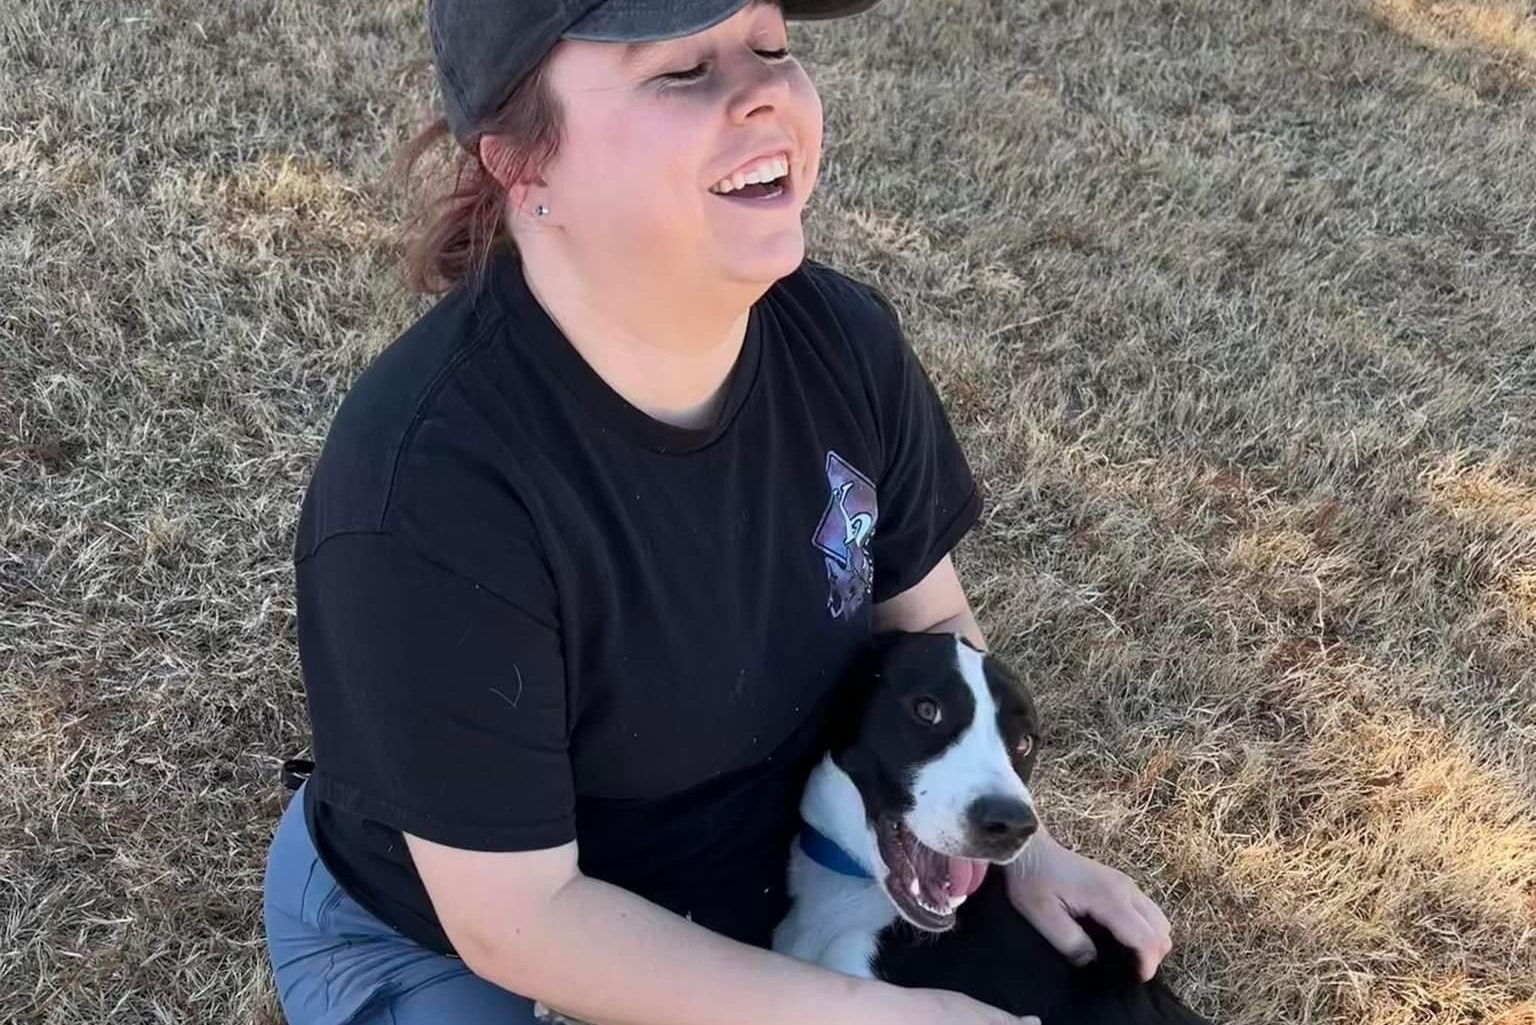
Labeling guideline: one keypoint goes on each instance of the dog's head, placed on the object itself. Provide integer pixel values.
(938, 744)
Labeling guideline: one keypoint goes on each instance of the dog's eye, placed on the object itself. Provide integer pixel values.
(927, 710)
(1024, 747)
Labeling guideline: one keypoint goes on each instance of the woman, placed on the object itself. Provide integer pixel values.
(589, 546)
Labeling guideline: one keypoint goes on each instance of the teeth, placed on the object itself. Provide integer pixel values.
(762, 171)
(915, 890)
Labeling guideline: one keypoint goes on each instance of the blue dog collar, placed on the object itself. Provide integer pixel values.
(820, 849)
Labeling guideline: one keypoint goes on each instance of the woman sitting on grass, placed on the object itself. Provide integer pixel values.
(590, 545)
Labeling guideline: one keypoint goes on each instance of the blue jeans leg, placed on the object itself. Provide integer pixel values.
(336, 964)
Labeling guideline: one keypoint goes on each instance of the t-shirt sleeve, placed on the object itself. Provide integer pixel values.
(927, 497)
(437, 702)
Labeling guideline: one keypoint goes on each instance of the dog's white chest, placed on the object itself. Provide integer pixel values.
(834, 920)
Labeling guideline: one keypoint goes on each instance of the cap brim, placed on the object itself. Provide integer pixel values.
(810, 10)
(641, 21)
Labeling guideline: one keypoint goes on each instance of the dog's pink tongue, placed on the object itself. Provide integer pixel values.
(965, 876)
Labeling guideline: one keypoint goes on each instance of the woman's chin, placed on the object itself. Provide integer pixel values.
(766, 261)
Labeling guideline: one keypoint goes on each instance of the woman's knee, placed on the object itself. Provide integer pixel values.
(399, 985)
(455, 996)
(335, 964)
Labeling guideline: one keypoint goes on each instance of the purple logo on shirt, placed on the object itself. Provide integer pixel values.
(843, 537)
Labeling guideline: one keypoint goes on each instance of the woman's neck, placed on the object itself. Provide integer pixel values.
(669, 354)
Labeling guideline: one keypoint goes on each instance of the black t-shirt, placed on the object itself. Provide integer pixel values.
(529, 613)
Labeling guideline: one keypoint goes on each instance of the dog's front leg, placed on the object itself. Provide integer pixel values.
(852, 953)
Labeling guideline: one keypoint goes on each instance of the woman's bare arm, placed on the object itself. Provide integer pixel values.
(531, 923)
(935, 604)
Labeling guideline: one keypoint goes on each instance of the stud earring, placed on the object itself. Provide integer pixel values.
(541, 210)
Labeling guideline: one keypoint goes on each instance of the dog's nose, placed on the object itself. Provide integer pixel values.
(1003, 818)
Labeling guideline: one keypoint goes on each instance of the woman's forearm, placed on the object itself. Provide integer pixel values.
(601, 954)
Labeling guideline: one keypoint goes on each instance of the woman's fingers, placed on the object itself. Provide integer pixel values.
(1131, 926)
(1059, 928)
(1155, 918)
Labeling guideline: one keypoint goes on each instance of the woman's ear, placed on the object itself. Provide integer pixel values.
(501, 162)
(497, 158)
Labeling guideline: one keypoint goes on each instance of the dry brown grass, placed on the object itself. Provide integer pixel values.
(1234, 304)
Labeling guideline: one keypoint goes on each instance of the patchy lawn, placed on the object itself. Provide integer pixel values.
(1234, 304)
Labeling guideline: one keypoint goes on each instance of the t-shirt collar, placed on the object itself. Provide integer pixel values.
(537, 330)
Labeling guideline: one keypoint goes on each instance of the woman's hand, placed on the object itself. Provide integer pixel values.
(1051, 886)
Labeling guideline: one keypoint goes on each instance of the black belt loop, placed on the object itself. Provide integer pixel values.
(296, 771)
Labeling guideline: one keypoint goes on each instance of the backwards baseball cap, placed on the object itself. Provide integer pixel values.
(485, 47)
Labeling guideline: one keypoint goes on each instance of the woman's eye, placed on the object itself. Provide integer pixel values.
(702, 68)
(687, 76)
(927, 710)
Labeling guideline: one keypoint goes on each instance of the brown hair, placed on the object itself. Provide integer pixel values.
(452, 232)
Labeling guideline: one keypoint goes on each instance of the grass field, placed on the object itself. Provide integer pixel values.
(1234, 304)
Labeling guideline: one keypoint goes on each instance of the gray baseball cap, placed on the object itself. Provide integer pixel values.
(483, 48)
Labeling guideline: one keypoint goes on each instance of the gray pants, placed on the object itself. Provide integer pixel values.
(336, 964)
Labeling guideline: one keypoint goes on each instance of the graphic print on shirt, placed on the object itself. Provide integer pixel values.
(843, 537)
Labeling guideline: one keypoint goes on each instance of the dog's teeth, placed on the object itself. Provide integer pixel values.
(915, 890)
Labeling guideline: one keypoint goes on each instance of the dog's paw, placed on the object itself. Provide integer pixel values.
(550, 1016)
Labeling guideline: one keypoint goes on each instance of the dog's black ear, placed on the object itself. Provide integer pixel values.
(880, 644)
(871, 664)
(857, 688)
(1000, 676)
(1010, 692)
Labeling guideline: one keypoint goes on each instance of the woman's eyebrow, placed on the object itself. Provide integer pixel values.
(635, 53)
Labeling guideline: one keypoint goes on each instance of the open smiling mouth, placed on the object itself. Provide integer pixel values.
(759, 190)
(764, 182)
(768, 195)
(925, 886)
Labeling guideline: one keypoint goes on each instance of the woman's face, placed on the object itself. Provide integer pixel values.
(649, 132)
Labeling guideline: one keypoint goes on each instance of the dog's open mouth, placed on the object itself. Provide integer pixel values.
(925, 886)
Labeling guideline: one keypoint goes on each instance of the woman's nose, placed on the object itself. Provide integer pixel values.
(758, 89)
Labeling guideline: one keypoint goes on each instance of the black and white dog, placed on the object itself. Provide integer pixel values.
(925, 788)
